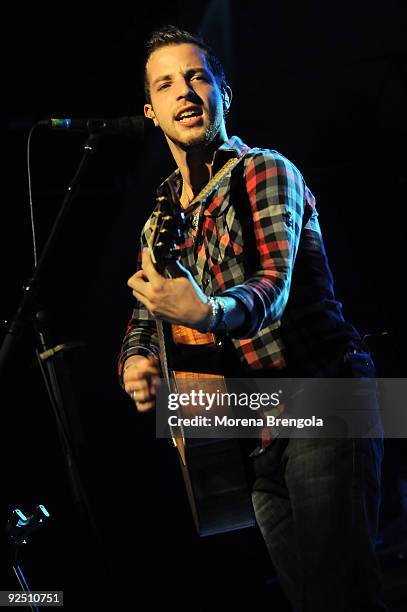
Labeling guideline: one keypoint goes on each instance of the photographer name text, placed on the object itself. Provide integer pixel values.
(228, 421)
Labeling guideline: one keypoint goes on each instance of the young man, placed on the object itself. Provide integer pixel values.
(256, 275)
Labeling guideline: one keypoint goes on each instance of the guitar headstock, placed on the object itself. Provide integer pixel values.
(167, 233)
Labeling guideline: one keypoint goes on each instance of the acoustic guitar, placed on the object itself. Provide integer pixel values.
(213, 469)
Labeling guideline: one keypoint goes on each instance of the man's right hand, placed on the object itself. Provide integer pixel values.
(141, 379)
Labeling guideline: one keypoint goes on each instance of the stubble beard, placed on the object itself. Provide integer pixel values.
(202, 140)
(195, 143)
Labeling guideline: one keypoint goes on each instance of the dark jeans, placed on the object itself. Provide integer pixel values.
(316, 502)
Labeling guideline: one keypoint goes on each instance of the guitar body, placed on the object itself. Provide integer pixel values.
(216, 485)
(214, 470)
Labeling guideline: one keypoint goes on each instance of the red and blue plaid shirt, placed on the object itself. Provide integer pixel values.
(259, 241)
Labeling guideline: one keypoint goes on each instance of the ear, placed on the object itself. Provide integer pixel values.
(227, 98)
(150, 114)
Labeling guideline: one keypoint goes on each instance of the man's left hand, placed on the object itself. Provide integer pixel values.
(176, 300)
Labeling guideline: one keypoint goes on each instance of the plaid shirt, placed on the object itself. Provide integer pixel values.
(259, 241)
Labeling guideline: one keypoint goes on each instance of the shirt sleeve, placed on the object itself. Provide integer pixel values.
(141, 334)
(276, 192)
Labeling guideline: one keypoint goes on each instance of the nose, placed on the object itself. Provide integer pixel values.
(185, 88)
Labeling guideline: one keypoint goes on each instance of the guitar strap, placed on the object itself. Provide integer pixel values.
(196, 204)
(193, 210)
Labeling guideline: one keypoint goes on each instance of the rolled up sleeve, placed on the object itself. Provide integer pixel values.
(275, 191)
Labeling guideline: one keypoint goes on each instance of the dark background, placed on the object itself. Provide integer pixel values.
(323, 83)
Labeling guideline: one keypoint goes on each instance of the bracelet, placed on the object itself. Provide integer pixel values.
(217, 314)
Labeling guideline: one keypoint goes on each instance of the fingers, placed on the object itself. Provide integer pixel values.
(141, 381)
(144, 392)
(144, 388)
(137, 365)
(141, 288)
(141, 274)
(144, 406)
(147, 273)
(138, 372)
(149, 268)
(146, 282)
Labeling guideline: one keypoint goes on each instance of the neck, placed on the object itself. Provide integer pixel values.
(195, 174)
(195, 167)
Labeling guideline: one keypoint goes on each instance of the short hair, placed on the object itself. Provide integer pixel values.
(172, 35)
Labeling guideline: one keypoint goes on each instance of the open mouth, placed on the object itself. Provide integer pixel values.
(189, 117)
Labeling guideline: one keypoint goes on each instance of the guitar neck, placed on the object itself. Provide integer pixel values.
(163, 353)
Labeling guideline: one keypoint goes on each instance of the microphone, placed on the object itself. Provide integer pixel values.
(121, 125)
(20, 526)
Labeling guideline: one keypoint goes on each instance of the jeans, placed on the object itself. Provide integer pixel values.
(316, 503)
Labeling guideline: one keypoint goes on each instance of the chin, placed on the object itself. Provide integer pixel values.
(196, 141)
(191, 142)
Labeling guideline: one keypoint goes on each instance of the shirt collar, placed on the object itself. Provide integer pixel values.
(232, 147)
(233, 144)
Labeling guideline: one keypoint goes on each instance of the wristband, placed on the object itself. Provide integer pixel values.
(216, 321)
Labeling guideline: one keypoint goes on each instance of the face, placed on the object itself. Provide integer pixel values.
(186, 100)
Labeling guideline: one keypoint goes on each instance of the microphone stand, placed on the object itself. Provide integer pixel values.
(25, 309)
(26, 315)
(18, 528)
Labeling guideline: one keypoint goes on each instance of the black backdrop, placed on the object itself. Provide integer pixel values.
(324, 83)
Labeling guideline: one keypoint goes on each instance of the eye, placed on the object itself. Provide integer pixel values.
(163, 86)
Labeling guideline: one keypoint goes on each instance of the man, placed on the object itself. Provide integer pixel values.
(257, 276)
